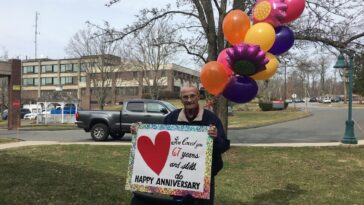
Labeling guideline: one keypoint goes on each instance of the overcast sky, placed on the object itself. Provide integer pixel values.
(58, 21)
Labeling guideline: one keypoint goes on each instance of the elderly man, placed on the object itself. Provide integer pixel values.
(193, 114)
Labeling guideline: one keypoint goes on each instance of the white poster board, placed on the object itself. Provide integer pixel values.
(171, 159)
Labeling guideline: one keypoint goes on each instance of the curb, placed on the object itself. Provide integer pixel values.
(319, 144)
(42, 143)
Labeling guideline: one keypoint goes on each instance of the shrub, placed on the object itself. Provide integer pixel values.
(266, 106)
(285, 105)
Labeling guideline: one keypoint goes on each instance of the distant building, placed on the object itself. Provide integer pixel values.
(45, 79)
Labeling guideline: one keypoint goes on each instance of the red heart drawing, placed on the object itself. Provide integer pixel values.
(155, 155)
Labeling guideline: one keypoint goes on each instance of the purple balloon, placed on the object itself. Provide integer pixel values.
(240, 89)
(284, 40)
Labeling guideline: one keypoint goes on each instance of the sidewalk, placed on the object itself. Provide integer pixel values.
(37, 143)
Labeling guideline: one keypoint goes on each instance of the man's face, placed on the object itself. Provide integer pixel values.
(190, 97)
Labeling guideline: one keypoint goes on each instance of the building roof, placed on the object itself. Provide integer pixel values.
(78, 58)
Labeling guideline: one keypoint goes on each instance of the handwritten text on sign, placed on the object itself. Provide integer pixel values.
(171, 159)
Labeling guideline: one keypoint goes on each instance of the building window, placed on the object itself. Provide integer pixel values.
(55, 68)
(28, 69)
(36, 69)
(135, 74)
(47, 81)
(56, 81)
(83, 79)
(119, 91)
(36, 81)
(66, 68)
(28, 81)
(76, 67)
(83, 66)
(163, 74)
(130, 91)
(47, 68)
(66, 80)
(91, 64)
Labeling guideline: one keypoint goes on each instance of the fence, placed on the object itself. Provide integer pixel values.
(55, 118)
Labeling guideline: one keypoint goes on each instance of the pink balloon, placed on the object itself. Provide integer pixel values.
(294, 10)
(222, 58)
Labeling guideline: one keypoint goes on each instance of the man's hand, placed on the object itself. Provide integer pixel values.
(134, 127)
(212, 131)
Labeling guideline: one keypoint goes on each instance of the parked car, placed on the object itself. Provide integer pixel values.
(298, 100)
(4, 115)
(23, 111)
(336, 99)
(230, 111)
(326, 100)
(31, 116)
(117, 123)
(313, 99)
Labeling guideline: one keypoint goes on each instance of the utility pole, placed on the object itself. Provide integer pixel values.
(285, 81)
(35, 34)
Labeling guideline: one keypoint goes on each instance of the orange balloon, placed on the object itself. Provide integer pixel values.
(214, 77)
(271, 68)
(235, 25)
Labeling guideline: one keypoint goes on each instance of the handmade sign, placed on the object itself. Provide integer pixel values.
(171, 160)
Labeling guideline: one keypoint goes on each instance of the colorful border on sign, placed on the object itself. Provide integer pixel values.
(168, 191)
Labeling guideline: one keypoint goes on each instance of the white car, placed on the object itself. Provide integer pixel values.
(31, 116)
(326, 100)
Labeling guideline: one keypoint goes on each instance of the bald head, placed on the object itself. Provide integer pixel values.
(190, 97)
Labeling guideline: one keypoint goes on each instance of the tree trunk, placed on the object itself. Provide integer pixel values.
(220, 109)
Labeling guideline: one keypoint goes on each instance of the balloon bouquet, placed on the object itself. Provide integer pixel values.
(254, 49)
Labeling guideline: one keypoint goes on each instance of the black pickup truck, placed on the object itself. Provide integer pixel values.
(101, 124)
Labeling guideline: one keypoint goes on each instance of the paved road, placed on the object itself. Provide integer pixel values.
(326, 125)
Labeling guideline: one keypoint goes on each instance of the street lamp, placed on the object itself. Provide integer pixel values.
(349, 136)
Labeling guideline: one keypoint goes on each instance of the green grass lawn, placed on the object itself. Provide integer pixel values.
(246, 119)
(50, 127)
(7, 140)
(85, 174)
(3, 123)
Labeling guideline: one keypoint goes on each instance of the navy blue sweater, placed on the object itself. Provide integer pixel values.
(221, 143)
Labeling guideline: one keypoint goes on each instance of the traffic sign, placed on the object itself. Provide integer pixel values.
(16, 103)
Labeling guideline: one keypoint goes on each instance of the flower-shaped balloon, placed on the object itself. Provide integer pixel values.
(246, 59)
(270, 11)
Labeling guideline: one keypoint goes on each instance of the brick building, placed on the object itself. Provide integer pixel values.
(44, 79)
